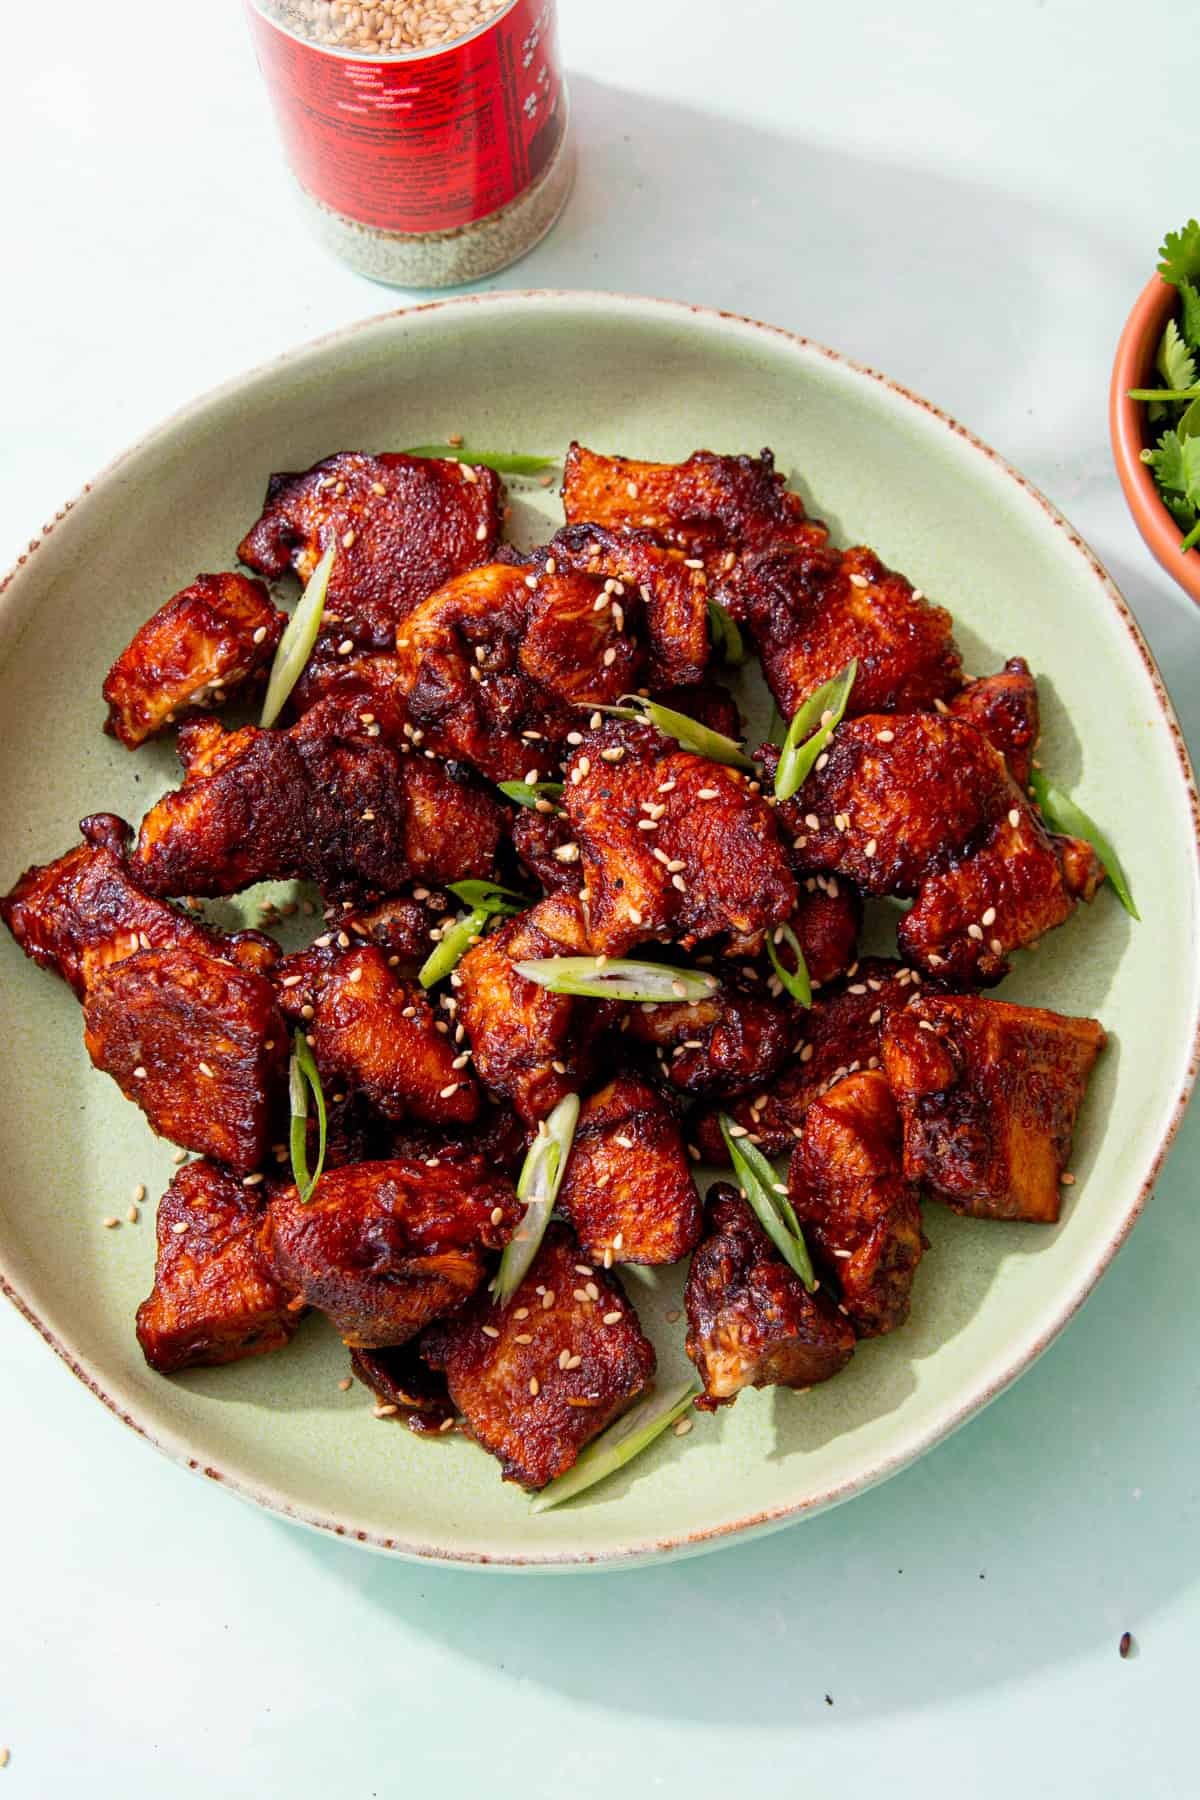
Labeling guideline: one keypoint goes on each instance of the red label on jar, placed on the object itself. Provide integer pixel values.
(420, 143)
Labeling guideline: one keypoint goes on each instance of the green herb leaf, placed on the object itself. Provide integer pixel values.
(1189, 424)
(1061, 814)
(1179, 257)
(490, 897)
(303, 1077)
(774, 1210)
(299, 636)
(598, 978)
(1176, 465)
(540, 1179)
(1160, 398)
(1173, 359)
(451, 947)
(820, 715)
(1189, 313)
(795, 980)
(527, 793)
(626, 1438)
(503, 463)
(726, 638)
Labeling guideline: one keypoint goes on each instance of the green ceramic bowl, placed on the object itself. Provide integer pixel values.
(531, 371)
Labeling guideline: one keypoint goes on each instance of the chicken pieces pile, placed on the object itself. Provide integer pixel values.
(446, 664)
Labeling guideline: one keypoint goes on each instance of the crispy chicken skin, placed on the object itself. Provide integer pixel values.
(197, 1044)
(81, 913)
(837, 1036)
(810, 610)
(399, 1376)
(518, 1031)
(751, 1322)
(505, 1366)
(492, 666)
(672, 587)
(1005, 708)
(988, 1094)
(373, 1033)
(732, 1041)
(859, 1214)
(402, 926)
(402, 525)
(209, 638)
(216, 1297)
(369, 680)
(384, 1247)
(321, 801)
(673, 846)
(628, 1190)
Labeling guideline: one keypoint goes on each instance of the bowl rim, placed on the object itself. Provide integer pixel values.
(1132, 366)
(176, 1445)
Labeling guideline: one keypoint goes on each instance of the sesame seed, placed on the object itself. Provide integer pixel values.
(247, 1180)
(738, 1131)
(522, 1312)
(573, 1362)
(870, 847)
(631, 489)
(564, 1357)
(548, 1299)
(387, 1411)
(812, 821)
(445, 1093)
(1014, 818)
(205, 1070)
(591, 1290)
(181, 1155)
(859, 581)
(975, 931)
(140, 1072)
(885, 737)
(682, 1426)
(611, 1318)
(674, 1316)
(609, 657)
(111, 1221)
(346, 1383)
(179, 1227)
(1067, 1179)
(481, 532)
(941, 707)
(647, 824)
(489, 1331)
(806, 1054)
(988, 917)
(534, 1385)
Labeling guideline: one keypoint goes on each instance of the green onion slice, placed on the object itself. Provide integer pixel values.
(820, 716)
(452, 946)
(303, 1076)
(688, 733)
(503, 463)
(598, 978)
(626, 1438)
(528, 793)
(1061, 814)
(726, 638)
(299, 636)
(794, 980)
(761, 1186)
(490, 897)
(540, 1179)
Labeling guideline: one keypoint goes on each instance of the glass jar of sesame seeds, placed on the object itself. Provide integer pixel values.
(430, 138)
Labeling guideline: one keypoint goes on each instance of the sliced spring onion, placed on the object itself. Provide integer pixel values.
(811, 729)
(794, 980)
(451, 947)
(691, 735)
(503, 463)
(626, 1438)
(489, 896)
(303, 1077)
(599, 979)
(299, 636)
(760, 1184)
(528, 793)
(540, 1179)
(1061, 814)
(726, 638)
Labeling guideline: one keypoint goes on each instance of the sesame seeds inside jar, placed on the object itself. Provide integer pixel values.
(430, 138)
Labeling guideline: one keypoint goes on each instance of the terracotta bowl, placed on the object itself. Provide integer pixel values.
(1133, 366)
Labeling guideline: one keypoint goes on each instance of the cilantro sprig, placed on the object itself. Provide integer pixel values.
(1174, 404)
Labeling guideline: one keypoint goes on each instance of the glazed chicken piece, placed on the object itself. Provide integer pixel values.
(858, 1213)
(496, 1140)
(539, 1378)
(209, 638)
(542, 839)
(323, 801)
(672, 587)
(628, 1192)
(493, 666)
(530, 1046)
(837, 1036)
(810, 610)
(988, 1095)
(216, 1297)
(673, 846)
(399, 1376)
(384, 1247)
(751, 1322)
(402, 526)
(735, 1039)
(78, 915)
(373, 1033)
(708, 703)
(197, 1044)
(827, 921)
(404, 926)
(366, 680)
(1005, 708)
(712, 507)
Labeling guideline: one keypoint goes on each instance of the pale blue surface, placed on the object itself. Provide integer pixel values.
(967, 198)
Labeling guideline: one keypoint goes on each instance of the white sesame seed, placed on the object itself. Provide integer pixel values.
(445, 1093)
(975, 931)
(181, 1155)
(110, 1222)
(522, 1337)
(387, 1411)
(548, 1299)
(997, 947)
(870, 847)
(611, 1318)
(205, 1070)
(885, 737)
(346, 1383)
(1014, 818)
(682, 1426)
(859, 581)
(179, 1227)
(988, 917)
(647, 824)
(489, 1331)
(481, 532)
(534, 1385)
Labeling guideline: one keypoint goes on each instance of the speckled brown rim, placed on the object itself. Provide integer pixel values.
(773, 1518)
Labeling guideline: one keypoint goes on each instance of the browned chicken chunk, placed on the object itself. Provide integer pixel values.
(988, 1095)
(322, 801)
(827, 921)
(539, 1378)
(1005, 708)
(209, 638)
(368, 680)
(732, 1041)
(400, 1376)
(402, 526)
(811, 610)
(542, 839)
(673, 846)
(751, 1321)
(384, 1247)
(216, 1297)
(859, 1214)
(530, 1046)
(197, 1044)
(628, 1190)
(402, 926)
(672, 587)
